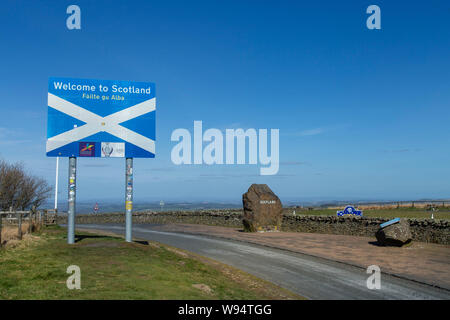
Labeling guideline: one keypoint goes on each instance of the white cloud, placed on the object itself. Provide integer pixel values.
(9, 137)
(311, 132)
(304, 133)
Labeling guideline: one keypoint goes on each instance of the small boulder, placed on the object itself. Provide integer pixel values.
(263, 210)
(397, 234)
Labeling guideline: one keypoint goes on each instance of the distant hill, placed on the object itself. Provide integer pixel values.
(87, 207)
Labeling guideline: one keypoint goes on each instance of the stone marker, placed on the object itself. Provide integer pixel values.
(262, 209)
(397, 234)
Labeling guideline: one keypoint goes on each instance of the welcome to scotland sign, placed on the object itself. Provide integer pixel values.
(100, 118)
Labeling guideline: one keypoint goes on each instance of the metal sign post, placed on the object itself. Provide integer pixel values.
(56, 183)
(72, 196)
(128, 199)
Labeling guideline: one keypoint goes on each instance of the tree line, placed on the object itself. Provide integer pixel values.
(19, 189)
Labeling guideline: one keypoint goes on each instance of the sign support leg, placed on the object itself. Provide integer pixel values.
(72, 197)
(128, 199)
(56, 183)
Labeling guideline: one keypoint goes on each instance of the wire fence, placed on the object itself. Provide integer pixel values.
(33, 219)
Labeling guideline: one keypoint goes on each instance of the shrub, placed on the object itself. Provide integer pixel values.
(20, 190)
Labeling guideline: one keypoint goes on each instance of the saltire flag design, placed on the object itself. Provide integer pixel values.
(80, 111)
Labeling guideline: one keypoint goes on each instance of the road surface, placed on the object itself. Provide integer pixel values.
(311, 277)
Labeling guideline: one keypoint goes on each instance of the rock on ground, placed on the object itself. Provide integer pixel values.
(397, 234)
(263, 210)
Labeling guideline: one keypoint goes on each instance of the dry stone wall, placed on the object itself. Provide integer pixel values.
(423, 230)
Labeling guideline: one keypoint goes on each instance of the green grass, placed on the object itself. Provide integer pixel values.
(114, 269)
(443, 213)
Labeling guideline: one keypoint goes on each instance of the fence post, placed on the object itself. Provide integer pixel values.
(29, 222)
(40, 219)
(32, 214)
(19, 222)
(1, 218)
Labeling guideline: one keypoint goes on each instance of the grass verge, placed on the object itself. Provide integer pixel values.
(114, 269)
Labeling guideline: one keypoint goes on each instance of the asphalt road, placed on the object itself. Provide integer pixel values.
(311, 277)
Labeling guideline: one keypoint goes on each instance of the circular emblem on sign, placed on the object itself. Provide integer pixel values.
(107, 149)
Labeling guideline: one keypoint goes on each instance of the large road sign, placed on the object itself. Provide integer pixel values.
(100, 118)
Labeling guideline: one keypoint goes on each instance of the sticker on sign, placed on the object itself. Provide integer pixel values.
(113, 149)
(100, 118)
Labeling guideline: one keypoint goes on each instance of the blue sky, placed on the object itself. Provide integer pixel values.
(363, 114)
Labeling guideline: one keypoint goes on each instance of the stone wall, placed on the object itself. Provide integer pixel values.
(225, 218)
(424, 230)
